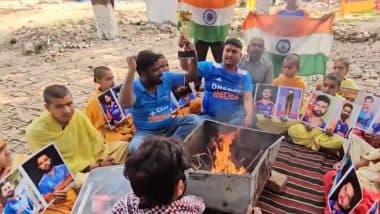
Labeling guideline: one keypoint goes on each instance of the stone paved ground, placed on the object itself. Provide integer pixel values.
(22, 78)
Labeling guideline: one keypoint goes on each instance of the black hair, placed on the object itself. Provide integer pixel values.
(55, 92)
(234, 42)
(100, 71)
(357, 191)
(369, 98)
(323, 98)
(334, 76)
(160, 56)
(146, 59)
(155, 169)
(348, 105)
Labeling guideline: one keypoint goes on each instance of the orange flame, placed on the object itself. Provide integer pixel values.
(223, 162)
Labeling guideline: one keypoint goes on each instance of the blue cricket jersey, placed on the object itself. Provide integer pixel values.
(223, 90)
(152, 112)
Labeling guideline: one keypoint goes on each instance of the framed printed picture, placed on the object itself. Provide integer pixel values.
(346, 194)
(265, 99)
(369, 108)
(111, 108)
(288, 102)
(30, 187)
(48, 172)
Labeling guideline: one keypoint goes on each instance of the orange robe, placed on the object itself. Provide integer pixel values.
(296, 82)
(195, 107)
(123, 132)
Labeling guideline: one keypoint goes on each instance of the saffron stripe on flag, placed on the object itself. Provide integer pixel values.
(209, 3)
(209, 16)
(288, 25)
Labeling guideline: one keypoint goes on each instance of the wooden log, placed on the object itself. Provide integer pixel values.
(276, 182)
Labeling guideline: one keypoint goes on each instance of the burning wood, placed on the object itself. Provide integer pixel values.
(223, 162)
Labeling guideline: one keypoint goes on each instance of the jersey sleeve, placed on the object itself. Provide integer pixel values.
(204, 68)
(248, 86)
(44, 188)
(175, 78)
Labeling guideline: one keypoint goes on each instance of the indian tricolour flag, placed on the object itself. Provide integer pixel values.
(309, 38)
(210, 18)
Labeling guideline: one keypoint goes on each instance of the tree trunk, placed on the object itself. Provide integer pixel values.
(105, 19)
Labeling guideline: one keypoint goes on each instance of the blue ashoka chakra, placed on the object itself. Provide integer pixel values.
(283, 46)
(209, 17)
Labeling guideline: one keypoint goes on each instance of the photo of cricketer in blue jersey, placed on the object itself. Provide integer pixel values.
(15, 203)
(366, 115)
(49, 174)
(265, 99)
(341, 126)
(228, 89)
(55, 178)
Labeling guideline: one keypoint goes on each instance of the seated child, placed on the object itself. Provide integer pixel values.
(314, 138)
(157, 175)
(341, 66)
(288, 78)
(104, 78)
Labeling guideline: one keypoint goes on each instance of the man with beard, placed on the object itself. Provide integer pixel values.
(15, 204)
(320, 107)
(55, 178)
(228, 89)
(149, 97)
(260, 68)
(366, 116)
(340, 126)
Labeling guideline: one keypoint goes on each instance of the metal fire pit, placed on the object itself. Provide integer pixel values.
(233, 193)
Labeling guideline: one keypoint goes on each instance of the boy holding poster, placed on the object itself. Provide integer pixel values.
(104, 79)
(315, 138)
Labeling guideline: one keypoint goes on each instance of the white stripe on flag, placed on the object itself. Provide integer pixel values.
(223, 16)
(303, 45)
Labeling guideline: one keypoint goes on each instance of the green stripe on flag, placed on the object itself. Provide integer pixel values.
(310, 64)
(209, 33)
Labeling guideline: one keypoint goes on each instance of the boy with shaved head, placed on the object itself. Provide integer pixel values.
(80, 144)
(289, 78)
(104, 78)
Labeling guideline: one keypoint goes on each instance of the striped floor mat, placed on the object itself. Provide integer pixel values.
(304, 191)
